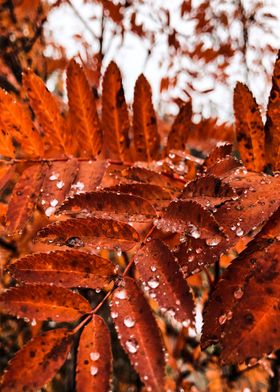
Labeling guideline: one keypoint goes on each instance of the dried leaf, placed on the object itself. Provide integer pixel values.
(272, 126)
(146, 137)
(84, 123)
(43, 302)
(110, 204)
(70, 268)
(219, 152)
(249, 129)
(139, 334)
(115, 121)
(24, 198)
(180, 129)
(161, 276)
(45, 354)
(47, 113)
(102, 233)
(94, 360)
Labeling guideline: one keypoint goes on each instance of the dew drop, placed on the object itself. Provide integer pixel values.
(54, 176)
(222, 319)
(129, 322)
(60, 184)
(213, 241)
(114, 315)
(94, 356)
(121, 294)
(238, 293)
(131, 345)
(153, 268)
(239, 232)
(153, 283)
(49, 211)
(33, 322)
(54, 202)
(93, 370)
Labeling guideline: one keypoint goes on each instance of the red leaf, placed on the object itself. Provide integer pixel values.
(180, 129)
(42, 302)
(70, 268)
(139, 334)
(94, 359)
(45, 354)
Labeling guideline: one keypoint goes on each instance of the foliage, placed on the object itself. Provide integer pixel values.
(118, 229)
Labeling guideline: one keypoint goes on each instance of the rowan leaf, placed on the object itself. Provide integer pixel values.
(45, 354)
(24, 198)
(249, 129)
(47, 113)
(254, 328)
(94, 359)
(272, 125)
(110, 204)
(115, 121)
(16, 120)
(80, 232)
(57, 184)
(139, 333)
(180, 129)
(89, 176)
(145, 133)
(43, 302)
(84, 125)
(161, 276)
(7, 148)
(69, 268)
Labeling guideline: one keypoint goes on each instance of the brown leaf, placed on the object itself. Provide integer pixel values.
(180, 129)
(146, 137)
(102, 233)
(17, 122)
(7, 173)
(43, 302)
(219, 152)
(94, 359)
(272, 125)
(89, 176)
(225, 166)
(161, 276)
(44, 355)
(190, 218)
(249, 129)
(7, 148)
(115, 121)
(70, 268)
(24, 198)
(139, 334)
(254, 328)
(47, 113)
(83, 119)
(57, 184)
(110, 204)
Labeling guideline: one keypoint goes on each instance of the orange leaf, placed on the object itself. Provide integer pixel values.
(24, 198)
(70, 268)
(180, 129)
(47, 113)
(249, 128)
(45, 354)
(161, 275)
(272, 126)
(115, 121)
(139, 334)
(103, 233)
(94, 359)
(84, 125)
(43, 302)
(146, 137)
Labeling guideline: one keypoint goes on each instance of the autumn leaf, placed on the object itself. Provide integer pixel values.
(94, 359)
(69, 268)
(139, 334)
(146, 137)
(43, 302)
(180, 129)
(115, 121)
(45, 354)
(84, 126)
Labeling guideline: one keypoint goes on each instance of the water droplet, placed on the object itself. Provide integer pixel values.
(49, 211)
(93, 370)
(129, 322)
(74, 242)
(153, 283)
(54, 202)
(33, 322)
(222, 319)
(171, 312)
(54, 176)
(60, 184)
(114, 315)
(97, 290)
(194, 232)
(94, 356)
(213, 241)
(239, 232)
(131, 345)
(121, 294)
(191, 258)
(238, 293)
(153, 268)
